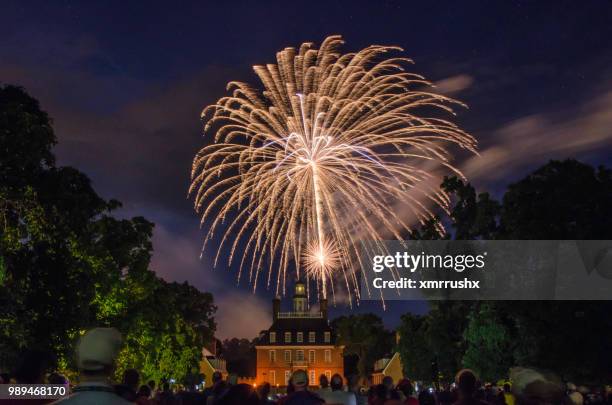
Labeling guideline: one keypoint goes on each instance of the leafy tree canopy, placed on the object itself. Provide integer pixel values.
(66, 264)
(365, 336)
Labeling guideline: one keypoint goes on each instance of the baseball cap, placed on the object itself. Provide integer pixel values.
(98, 348)
(299, 378)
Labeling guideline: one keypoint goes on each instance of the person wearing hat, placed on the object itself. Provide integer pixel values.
(96, 353)
(301, 395)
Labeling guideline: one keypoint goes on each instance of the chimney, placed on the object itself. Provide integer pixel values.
(323, 307)
(275, 308)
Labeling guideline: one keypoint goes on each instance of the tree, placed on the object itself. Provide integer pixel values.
(447, 321)
(414, 348)
(473, 216)
(561, 200)
(45, 216)
(165, 331)
(435, 337)
(26, 137)
(568, 337)
(240, 356)
(489, 344)
(66, 264)
(365, 336)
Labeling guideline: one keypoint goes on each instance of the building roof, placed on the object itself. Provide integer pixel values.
(213, 362)
(381, 365)
(299, 324)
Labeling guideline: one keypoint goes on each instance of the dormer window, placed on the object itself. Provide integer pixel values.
(312, 337)
(300, 337)
(272, 337)
(327, 337)
(287, 337)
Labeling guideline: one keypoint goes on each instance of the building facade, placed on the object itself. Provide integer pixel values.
(211, 363)
(388, 367)
(300, 339)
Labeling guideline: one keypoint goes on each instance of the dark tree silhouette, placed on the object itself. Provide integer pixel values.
(364, 336)
(561, 200)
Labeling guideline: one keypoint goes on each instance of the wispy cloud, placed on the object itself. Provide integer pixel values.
(242, 315)
(535, 139)
(454, 84)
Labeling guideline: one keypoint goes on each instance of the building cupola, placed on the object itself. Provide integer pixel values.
(299, 298)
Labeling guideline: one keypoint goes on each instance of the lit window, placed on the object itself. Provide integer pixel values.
(299, 355)
(272, 337)
(287, 337)
(327, 337)
(300, 337)
(288, 356)
(311, 375)
(287, 376)
(312, 336)
(328, 356)
(311, 356)
(272, 377)
(272, 355)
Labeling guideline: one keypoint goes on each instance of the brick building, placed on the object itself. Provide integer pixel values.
(299, 339)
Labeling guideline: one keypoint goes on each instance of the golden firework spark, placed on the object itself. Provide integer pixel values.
(321, 259)
(298, 171)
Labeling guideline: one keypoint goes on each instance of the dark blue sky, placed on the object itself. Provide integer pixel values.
(125, 82)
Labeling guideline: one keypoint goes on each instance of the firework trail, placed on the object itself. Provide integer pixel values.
(299, 170)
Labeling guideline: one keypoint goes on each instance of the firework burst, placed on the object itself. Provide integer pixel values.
(299, 171)
(321, 259)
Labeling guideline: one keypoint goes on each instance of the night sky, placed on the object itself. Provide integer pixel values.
(125, 83)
